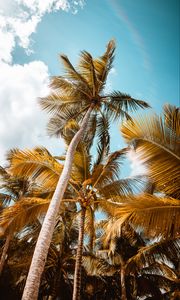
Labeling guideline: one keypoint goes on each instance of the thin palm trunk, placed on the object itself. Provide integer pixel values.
(41, 250)
(77, 273)
(92, 233)
(4, 253)
(123, 282)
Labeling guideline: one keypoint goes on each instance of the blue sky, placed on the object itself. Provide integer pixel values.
(146, 64)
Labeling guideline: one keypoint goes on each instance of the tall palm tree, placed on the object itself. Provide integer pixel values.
(76, 95)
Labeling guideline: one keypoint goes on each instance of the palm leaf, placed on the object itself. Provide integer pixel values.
(103, 138)
(118, 105)
(103, 65)
(24, 212)
(86, 67)
(97, 267)
(163, 251)
(60, 83)
(72, 74)
(37, 164)
(172, 118)
(109, 171)
(158, 147)
(157, 216)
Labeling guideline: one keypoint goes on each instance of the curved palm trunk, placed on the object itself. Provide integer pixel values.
(123, 283)
(45, 236)
(77, 273)
(4, 252)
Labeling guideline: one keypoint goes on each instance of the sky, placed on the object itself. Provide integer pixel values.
(34, 32)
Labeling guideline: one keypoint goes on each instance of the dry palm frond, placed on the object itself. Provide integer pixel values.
(160, 268)
(59, 123)
(157, 145)
(120, 104)
(103, 138)
(37, 164)
(86, 67)
(164, 250)
(109, 171)
(25, 211)
(122, 187)
(97, 267)
(62, 84)
(103, 65)
(156, 216)
(81, 166)
(172, 118)
(72, 74)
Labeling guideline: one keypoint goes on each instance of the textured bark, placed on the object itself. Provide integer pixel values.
(123, 282)
(4, 253)
(92, 233)
(77, 273)
(41, 250)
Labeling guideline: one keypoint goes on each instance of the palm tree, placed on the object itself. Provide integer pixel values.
(76, 95)
(139, 263)
(89, 185)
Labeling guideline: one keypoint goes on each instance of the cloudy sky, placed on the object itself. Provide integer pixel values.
(33, 32)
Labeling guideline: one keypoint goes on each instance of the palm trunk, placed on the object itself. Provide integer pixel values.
(77, 273)
(41, 250)
(123, 282)
(4, 252)
(92, 233)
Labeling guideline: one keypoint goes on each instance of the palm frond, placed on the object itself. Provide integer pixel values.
(164, 250)
(97, 267)
(25, 211)
(86, 67)
(37, 164)
(172, 118)
(109, 171)
(122, 187)
(60, 83)
(119, 105)
(156, 216)
(73, 74)
(103, 65)
(59, 123)
(103, 138)
(57, 102)
(81, 166)
(157, 146)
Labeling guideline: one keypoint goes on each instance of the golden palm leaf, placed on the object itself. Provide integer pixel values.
(97, 267)
(157, 145)
(22, 213)
(86, 67)
(109, 171)
(37, 164)
(157, 216)
(73, 74)
(103, 65)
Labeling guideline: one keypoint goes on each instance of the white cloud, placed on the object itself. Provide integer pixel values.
(22, 123)
(136, 165)
(19, 19)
